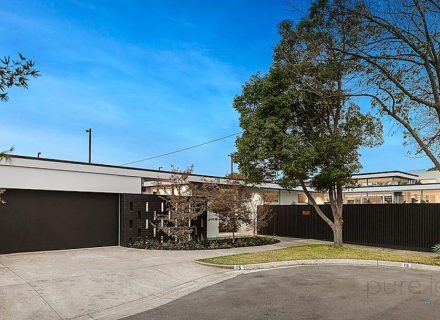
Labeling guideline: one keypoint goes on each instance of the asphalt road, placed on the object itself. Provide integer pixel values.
(326, 292)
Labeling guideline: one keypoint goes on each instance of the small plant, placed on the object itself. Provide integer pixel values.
(436, 248)
(225, 243)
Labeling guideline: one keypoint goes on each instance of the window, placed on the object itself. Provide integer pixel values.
(399, 197)
(139, 232)
(154, 232)
(139, 215)
(161, 206)
(131, 205)
(130, 224)
(146, 206)
(201, 222)
(146, 223)
(270, 196)
(388, 199)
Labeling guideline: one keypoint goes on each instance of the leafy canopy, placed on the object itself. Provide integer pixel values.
(15, 73)
(299, 125)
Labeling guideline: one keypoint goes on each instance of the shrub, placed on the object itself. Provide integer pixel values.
(436, 248)
(203, 245)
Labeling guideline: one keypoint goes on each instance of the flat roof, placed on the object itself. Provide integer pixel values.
(397, 188)
(108, 165)
(386, 174)
(98, 168)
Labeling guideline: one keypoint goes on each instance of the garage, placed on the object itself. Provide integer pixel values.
(36, 220)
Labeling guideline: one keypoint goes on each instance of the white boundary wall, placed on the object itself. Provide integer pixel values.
(58, 176)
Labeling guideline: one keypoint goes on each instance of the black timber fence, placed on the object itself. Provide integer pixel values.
(401, 226)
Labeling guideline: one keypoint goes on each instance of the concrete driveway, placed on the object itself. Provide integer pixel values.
(104, 283)
(312, 293)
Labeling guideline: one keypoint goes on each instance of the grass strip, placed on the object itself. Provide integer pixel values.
(322, 251)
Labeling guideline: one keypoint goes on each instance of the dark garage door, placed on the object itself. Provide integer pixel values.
(49, 220)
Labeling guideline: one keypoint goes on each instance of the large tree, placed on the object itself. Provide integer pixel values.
(14, 73)
(299, 126)
(398, 45)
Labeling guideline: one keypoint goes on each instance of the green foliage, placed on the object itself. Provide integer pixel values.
(298, 121)
(224, 243)
(15, 73)
(6, 155)
(436, 248)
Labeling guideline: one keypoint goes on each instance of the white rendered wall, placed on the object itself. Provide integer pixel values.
(15, 177)
(287, 197)
(212, 225)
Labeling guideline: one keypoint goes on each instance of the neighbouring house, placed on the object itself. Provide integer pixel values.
(422, 186)
(57, 204)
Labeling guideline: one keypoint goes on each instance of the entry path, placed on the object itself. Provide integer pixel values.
(106, 283)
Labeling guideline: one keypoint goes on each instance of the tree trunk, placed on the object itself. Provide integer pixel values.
(255, 224)
(336, 204)
(337, 233)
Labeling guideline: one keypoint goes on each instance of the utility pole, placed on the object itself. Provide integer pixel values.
(38, 155)
(232, 166)
(89, 131)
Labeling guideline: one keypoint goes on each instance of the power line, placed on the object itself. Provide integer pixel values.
(183, 149)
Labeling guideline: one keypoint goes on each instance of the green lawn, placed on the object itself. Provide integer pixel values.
(322, 251)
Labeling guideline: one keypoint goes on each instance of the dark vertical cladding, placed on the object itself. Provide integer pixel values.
(404, 226)
(34, 220)
(136, 209)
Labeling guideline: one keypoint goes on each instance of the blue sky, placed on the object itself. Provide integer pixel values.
(148, 76)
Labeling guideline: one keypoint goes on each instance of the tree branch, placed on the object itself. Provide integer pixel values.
(315, 205)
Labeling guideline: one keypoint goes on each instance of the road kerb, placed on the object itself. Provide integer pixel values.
(317, 262)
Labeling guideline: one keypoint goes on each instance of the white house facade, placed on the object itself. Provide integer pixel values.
(55, 204)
